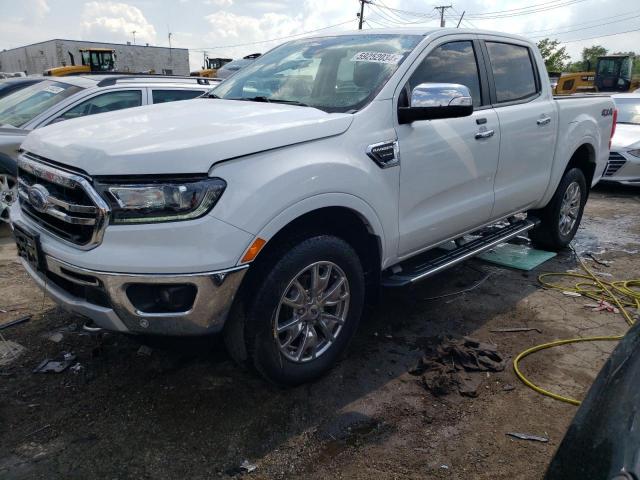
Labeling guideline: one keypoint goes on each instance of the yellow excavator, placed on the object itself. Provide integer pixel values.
(211, 67)
(93, 60)
(613, 74)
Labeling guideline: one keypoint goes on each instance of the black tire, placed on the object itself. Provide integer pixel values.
(250, 332)
(549, 234)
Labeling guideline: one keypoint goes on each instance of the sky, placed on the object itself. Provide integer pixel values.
(233, 28)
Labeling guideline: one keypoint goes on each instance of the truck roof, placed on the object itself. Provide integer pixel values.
(423, 32)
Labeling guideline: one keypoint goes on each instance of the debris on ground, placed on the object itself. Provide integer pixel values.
(145, 351)
(515, 329)
(17, 321)
(9, 351)
(508, 387)
(55, 337)
(527, 436)
(77, 368)
(450, 366)
(604, 263)
(602, 306)
(56, 365)
(569, 293)
(247, 466)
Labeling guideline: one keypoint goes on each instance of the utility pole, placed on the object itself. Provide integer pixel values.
(134, 37)
(442, 9)
(461, 17)
(361, 14)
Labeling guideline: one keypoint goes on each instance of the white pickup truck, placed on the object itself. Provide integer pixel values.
(274, 209)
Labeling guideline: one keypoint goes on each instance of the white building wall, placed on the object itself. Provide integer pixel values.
(34, 59)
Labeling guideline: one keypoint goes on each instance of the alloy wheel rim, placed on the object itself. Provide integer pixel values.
(569, 208)
(312, 312)
(8, 193)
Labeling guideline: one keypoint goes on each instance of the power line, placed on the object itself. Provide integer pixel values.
(552, 30)
(584, 28)
(599, 36)
(524, 10)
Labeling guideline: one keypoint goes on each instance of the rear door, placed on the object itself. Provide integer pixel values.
(528, 124)
(447, 166)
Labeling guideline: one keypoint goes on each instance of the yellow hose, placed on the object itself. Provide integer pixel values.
(596, 289)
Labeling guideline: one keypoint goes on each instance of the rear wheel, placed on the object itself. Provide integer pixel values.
(561, 218)
(301, 311)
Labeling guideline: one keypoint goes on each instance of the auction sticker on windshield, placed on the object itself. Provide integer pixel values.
(377, 57)
(53, 89)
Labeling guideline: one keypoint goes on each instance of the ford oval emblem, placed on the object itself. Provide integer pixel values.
(39, 197)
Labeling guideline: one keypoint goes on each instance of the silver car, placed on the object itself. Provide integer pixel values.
(624, 159)
(64, 98)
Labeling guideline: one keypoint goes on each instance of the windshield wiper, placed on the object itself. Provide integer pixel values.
(212, 95)
(289, 102)
(262, 98)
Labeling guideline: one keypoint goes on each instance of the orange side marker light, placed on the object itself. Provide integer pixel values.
(253, 250)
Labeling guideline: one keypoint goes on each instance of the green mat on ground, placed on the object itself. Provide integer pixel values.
(522, 257)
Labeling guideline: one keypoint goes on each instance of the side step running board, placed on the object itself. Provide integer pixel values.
(449, 258)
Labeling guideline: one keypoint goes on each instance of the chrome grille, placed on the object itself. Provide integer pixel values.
(615, 163)
(62, 202)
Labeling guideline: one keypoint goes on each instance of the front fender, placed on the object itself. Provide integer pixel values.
(267, 191)
(344, 200)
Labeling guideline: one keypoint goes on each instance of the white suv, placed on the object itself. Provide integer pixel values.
(64, 98)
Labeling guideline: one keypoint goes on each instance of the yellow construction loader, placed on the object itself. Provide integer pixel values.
(93, 60)
(211, 67)
(613, 74)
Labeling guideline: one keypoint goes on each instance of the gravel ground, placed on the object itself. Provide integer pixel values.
(184, 410)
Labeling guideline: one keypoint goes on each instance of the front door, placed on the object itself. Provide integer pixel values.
(447, 166)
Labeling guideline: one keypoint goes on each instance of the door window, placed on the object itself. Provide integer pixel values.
(107, 102)
(162, 96)
(453, 62)
(513, 71)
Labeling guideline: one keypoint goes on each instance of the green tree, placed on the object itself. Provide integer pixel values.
(590, 56)
(554, 56)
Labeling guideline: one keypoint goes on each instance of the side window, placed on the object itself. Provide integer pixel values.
(162, 96)
(513, 71)
(453, 62)
(107, 102)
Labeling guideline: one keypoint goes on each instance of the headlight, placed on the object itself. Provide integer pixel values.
(162, 201)
(635, 153)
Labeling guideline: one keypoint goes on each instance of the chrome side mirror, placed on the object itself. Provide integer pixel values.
(430, 101)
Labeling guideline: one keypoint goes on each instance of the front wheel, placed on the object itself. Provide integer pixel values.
(302, 310)
(561, 218)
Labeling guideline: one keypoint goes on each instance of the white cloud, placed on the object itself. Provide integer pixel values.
(115, 22)
(39, 9)
(218, 3)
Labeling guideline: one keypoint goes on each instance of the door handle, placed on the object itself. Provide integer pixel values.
(544, 121)
(484, 134)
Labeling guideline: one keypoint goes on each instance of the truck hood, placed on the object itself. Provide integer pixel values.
(180, 137)
(625, 137)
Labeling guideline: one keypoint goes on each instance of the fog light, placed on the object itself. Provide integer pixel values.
(162, 298)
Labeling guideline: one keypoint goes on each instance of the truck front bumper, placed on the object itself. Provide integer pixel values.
(164, 304)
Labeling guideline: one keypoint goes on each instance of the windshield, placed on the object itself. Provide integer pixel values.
(24, 105)
(334, 74)
(628, 110)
